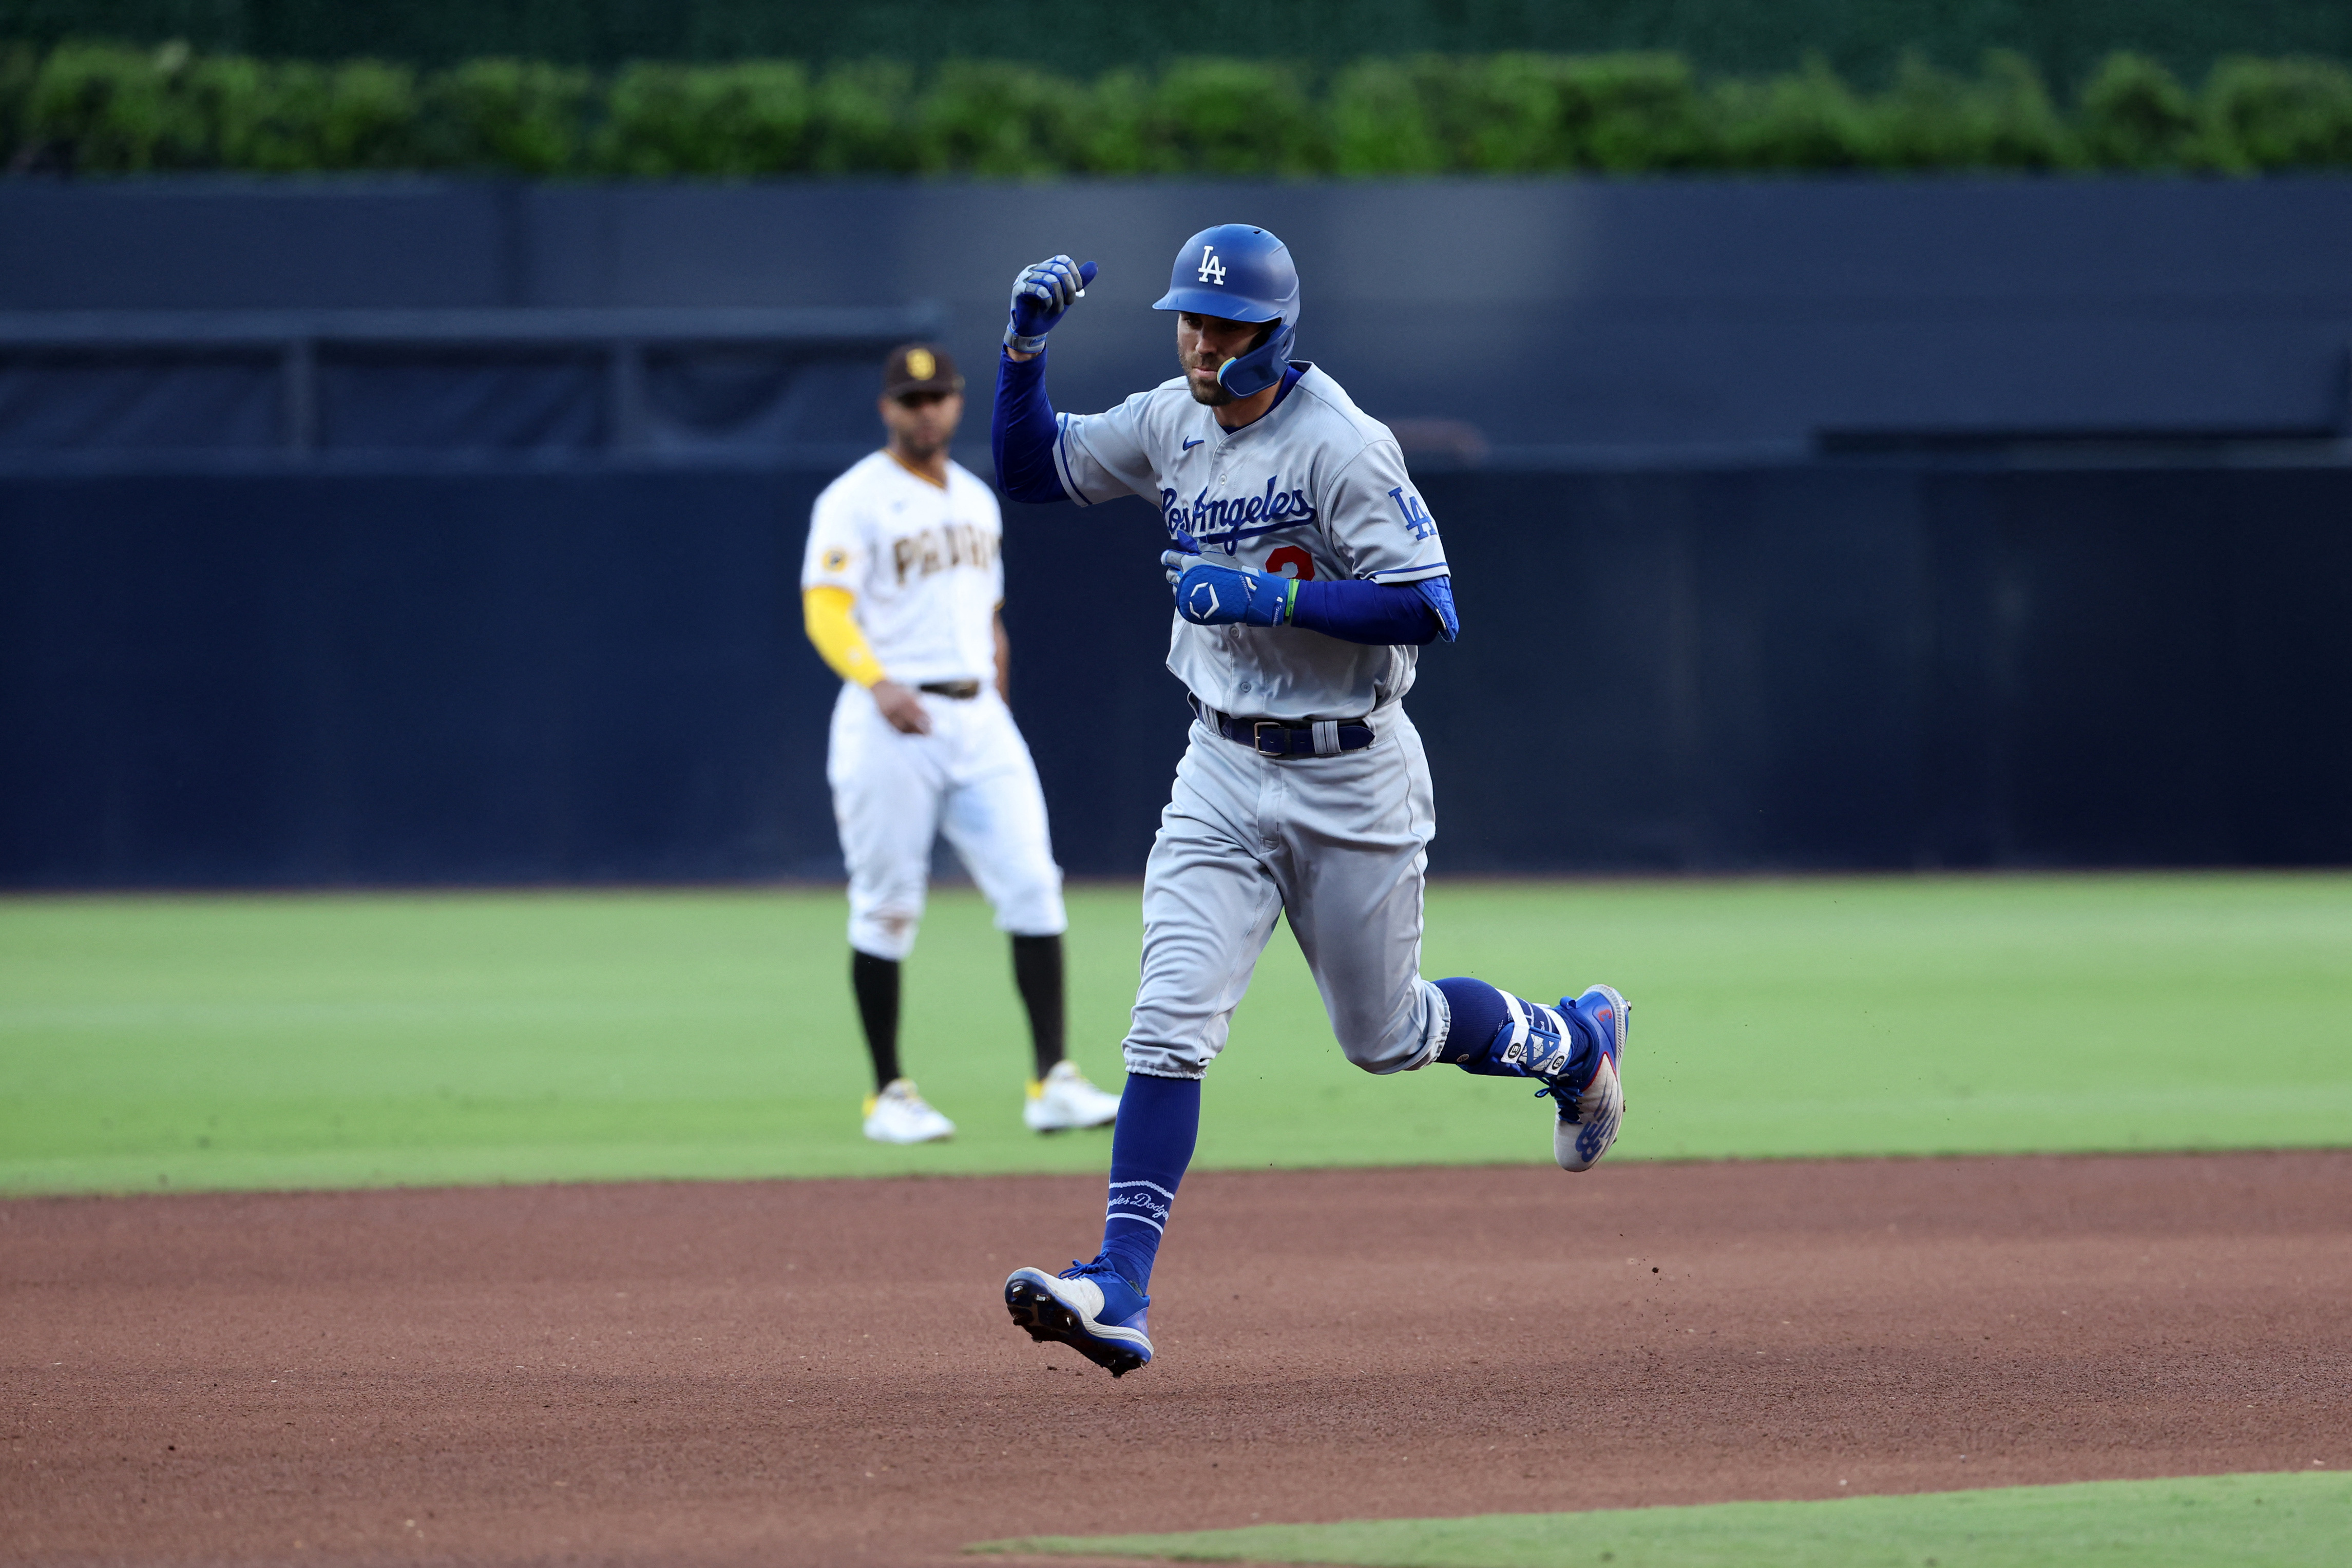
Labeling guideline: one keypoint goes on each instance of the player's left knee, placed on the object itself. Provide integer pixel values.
(887, 929)
(1391, 1042)
(1387, 1050)
(1035, 909)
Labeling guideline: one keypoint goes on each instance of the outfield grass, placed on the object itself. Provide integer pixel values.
(287, 1041)
(2212, 1521)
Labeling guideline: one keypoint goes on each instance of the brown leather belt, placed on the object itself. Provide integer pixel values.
(962, 690)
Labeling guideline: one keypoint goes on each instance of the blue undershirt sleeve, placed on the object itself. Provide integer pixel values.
(1381, 614)
(1439, 591)
(1022, 430)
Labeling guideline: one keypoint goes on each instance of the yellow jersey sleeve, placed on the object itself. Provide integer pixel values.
(836, 633)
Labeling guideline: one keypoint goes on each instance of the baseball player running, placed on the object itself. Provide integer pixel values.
(902, 588)
(1308, 574)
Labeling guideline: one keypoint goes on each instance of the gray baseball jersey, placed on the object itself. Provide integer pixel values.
(1313, 489)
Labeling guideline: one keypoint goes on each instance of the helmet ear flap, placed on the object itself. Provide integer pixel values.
(1260, 368)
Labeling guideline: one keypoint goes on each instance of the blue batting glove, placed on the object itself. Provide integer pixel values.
(1210, 596)
(1040, 295)
(1186, 552)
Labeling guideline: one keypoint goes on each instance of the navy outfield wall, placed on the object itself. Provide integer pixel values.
(1693, 640)
(371, 677)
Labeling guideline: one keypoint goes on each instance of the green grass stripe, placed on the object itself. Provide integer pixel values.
(2289, 1520)
(335, 1040)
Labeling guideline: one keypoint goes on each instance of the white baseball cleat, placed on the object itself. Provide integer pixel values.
(1588, 1122)
(899, 1115)
(1065, 1101)
(1089, 1307)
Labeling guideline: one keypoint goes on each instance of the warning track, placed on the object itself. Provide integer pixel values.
(821, 1371)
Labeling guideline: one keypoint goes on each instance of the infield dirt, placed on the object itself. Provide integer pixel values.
(822, 1372)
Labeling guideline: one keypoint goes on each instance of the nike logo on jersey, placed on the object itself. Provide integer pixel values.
(1194, 442)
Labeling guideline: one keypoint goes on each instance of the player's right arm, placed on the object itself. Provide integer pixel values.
(830, 618)
(1022, 427)
(1022, 430)
(830, 615)
(830, 571)
(1041, 456)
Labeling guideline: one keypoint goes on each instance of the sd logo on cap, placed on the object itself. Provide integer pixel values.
(920, 367)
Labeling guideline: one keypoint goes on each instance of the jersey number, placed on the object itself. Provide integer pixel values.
(1211, 269)
(1415, 518)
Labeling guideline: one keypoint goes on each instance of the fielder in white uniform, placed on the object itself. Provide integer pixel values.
(902, 585)
(1308, 574)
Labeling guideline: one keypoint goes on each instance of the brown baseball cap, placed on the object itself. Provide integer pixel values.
(920, 367)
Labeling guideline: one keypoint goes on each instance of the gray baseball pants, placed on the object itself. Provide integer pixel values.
(1337, 844)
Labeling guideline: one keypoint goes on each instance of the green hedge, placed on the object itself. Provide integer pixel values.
(100, 108)
(1863, 38)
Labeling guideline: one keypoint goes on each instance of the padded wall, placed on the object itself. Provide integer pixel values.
(385, 677)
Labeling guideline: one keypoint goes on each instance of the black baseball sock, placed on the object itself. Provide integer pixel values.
(1037, 971)
(875, 983)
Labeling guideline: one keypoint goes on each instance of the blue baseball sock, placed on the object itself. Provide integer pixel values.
(1150, 1144)
(1481, 1027)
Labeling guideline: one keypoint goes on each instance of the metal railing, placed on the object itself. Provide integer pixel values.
(296, 340)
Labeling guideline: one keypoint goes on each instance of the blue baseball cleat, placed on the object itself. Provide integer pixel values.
(1588, 1119)
(1089, 1307)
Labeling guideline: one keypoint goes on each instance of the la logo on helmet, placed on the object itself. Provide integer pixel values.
(1211, 269)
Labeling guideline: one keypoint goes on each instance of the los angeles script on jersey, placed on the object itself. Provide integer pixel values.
(1215, 520)
(941, 548)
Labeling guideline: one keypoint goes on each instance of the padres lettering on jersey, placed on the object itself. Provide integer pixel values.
(942, 550)
(1315, 489)
(923, 563)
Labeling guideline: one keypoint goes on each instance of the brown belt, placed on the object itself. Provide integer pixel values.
(962, 690)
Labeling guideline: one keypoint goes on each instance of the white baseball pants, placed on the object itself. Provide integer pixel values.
(1338, 846)
(971, 780)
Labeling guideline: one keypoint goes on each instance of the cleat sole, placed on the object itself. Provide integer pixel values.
(1045, 1317)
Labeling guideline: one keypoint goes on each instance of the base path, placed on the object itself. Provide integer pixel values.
(822, 1372)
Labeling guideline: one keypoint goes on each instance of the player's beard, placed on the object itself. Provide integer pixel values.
(1215, 395)
(917, 450)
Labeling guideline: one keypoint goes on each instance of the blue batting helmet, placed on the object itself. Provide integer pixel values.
(1241, 273)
